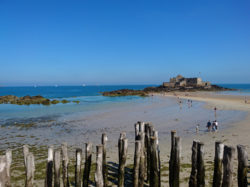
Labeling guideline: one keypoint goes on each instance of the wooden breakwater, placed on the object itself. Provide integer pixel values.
(146, 166)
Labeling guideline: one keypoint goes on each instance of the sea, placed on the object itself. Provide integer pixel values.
(90, 98)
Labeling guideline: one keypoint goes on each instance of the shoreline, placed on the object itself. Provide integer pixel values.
(163, 111)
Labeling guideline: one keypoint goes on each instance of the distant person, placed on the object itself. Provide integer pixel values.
(245, 100)
(209, 126)
(215, 125)
(180, 103)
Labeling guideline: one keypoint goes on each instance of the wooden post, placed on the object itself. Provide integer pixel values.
(88, 158)
(25, 153)
(217, 178)
(149, 131)
(177, 160)
(30, 170)
(200, 165)
(104, 167)
(228, 156)
(8, 155)
(123, 150)
(141, 138)
(136, 130)
(137, 162)
(242, 166)
(147, 147)
(3, 171)
(99, 164)
(193, 176)
(78, 168)
(171, 161)
(122, 136)
(141, 126)
(155, 133)
(57, 161)
(65, 163)
(49, 170)
(154, 174)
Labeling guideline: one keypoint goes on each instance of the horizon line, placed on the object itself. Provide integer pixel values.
(83, 85)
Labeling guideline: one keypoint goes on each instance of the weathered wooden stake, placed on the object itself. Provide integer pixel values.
(147, 150)
(149, 132)
(242, 166)
(99, 164)
(49, 169)
(78, 168)
(136, 130)
(88, 158)
(171, 161)
(154, 171)
(193, 175)
(217, 178)
(177, 160)
(200, 165)
(141, 126)
(122, 136)
(228, 156)
(137, 162)
(8, 155)
(155, 133)
(3, 171)
(65, 163)
(104, 167)
(142, 169)
(57, 161)
(30, 170)
(123, 150)
(25, 153)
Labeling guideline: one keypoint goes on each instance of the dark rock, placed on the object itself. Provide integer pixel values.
(28, 100)
(162, 89)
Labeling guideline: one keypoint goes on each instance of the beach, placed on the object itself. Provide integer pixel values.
(162, 110)
(235, 133)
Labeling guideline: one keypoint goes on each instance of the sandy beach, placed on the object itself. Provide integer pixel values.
(163, 111)
(236, 133)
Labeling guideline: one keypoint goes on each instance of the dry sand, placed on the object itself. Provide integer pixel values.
(237, 133)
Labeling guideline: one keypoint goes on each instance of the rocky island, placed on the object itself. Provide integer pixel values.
(28, 100)
(178, 83)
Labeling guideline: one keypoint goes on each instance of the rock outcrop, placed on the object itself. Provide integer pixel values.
(162, 89)
(28, 100)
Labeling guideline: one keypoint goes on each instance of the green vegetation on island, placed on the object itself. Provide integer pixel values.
(28, 100)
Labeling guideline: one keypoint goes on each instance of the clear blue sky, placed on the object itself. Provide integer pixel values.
(123, 42)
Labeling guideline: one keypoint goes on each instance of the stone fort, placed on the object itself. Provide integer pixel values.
(181, 81)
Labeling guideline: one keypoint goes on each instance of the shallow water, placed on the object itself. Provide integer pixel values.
(80, 123)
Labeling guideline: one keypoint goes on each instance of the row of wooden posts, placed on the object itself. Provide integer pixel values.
(147, 165)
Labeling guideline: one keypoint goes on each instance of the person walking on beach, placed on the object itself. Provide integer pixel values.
(209, 126)
(245, 100)
(180, 103)
(215, 126)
